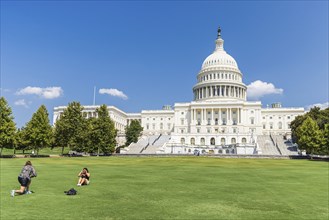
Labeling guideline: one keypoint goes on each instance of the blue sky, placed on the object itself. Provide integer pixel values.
(147, 54)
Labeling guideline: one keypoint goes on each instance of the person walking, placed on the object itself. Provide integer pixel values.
(24, 178)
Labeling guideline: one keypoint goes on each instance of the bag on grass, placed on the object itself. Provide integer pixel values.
(71, 192)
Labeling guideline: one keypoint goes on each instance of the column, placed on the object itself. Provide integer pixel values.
(229, 116)
(212, 117)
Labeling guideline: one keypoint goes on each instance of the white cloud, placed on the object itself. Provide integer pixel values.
(113, 92)
(47, 93)
(22, 102)
(321, 105)
(259, 89)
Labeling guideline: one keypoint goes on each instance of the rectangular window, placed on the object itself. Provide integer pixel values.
(198, 130)
(147, 126)
(169, 126)
(182, 121)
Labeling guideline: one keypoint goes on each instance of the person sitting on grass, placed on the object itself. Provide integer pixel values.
(24, 178)
(84, 177)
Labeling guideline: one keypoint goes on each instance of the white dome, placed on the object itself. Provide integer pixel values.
(219, 58)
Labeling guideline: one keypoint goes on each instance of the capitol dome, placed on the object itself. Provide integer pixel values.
(219, 77)
(219, 58)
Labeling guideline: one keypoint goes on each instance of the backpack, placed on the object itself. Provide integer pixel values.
(71, 192)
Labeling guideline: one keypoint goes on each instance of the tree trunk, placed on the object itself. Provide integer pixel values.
(62, 151)
(1, 151)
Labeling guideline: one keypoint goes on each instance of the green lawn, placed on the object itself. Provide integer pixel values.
(169, 188)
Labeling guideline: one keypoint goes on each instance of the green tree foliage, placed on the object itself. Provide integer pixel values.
(133, 132)
(21, 140)
(321, 118)
(7, 126)
(38, 131)
(326, 139)
(102, 132)
(310, 136)
(71, 129)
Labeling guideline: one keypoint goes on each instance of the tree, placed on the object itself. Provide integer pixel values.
(39, 133)
(21, 140)
(326, 139)
(71, 128)
(7, 126)
(310, 136)
(297, 122)
(321, 118)
(103, 132)
(133, 132)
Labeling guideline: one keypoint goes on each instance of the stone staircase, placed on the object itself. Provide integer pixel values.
(158, 142)
(286, 146)
(147, 145)
(267, 146)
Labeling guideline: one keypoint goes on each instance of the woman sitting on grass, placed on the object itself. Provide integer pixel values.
(24, 178)
(84, 177)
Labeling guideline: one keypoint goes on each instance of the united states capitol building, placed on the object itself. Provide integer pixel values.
(219, 120)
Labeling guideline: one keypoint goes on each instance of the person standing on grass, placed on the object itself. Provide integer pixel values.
(24, 178)
(84, 177)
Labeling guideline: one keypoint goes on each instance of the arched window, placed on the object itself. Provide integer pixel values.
(227, 151)
(233, 141)
(220, 151)
(212, 141)
(280, 125)
(192, 141)
(244, 140)
(182, 140)
(222, 141)
(202, 141)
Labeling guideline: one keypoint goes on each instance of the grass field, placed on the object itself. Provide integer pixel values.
(169, 188)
